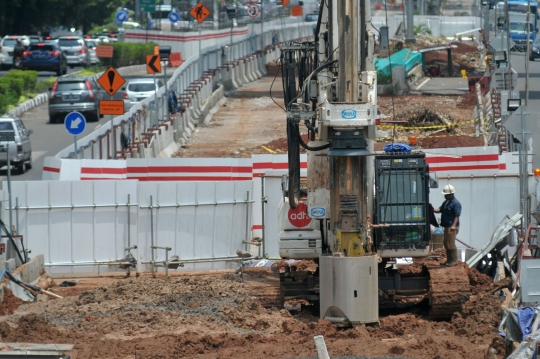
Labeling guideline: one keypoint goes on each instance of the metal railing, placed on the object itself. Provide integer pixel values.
(130, 135)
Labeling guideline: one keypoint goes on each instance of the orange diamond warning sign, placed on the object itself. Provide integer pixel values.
(199, 12)
(111, 81)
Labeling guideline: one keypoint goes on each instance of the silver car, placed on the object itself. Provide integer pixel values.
(74, 93)
(16, 139)
(75, 50)
(137, 90)
(91, 46)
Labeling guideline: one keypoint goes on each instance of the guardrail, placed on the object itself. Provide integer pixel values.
(149, 129)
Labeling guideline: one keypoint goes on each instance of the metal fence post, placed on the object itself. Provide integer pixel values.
(151, 208)
(17, 215)
(248, 239)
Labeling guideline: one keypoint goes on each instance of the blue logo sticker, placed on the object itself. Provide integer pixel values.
(318, 212)
(348, 114)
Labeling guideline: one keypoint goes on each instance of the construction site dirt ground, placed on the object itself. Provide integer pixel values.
(252, 118)
(227, 315)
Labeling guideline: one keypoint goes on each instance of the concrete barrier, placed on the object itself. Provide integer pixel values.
(256, 66)
(243, 71)
(28, 105)
(233, 72)
(195, 93)
(249, 74)
(29, 273)
(253, 62)
(262, 63)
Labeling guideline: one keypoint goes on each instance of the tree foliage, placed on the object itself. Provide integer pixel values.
(21, 17)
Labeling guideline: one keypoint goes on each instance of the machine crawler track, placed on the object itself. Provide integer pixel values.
(449, 289)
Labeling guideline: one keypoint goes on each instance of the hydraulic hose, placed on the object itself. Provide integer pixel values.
(293, 150)
(18, 282)
(303, 144)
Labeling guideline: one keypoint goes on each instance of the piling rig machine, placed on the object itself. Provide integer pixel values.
(366, 210)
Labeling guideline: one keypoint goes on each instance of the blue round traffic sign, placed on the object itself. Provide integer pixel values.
(173, 17)
(75, 123)
(121, 16)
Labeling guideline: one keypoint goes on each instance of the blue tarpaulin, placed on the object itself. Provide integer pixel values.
(404, 57)
(525, 318)
(397, 147)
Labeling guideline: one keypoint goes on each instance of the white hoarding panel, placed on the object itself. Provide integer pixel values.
(105, 221)
(83, 221)
(204, 219)
(186, 196)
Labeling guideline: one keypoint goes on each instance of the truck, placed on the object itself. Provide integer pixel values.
(518, 29)
(360, 213)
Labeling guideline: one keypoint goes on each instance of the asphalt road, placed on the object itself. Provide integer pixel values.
(48, 139)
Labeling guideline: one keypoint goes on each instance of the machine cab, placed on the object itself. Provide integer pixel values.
(401, 217)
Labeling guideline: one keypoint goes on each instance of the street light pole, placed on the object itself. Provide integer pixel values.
(527, 54)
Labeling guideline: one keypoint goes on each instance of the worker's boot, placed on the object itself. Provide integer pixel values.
(452, 258)
(447, 257)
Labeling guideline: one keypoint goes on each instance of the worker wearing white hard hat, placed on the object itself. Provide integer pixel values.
(450, 212)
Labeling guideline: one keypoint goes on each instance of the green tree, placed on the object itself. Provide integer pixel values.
(19, 17)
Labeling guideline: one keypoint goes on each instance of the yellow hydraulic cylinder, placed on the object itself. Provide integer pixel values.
(351, 243)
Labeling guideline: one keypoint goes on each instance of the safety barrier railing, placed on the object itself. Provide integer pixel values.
(153, 124)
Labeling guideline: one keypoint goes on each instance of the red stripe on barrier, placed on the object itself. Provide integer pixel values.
(466, 158)
(104, 170)
(464, 168)
(256, 226)
(190, 178)
(51, 169)
(190, 169)
(179, 38)
(275, 165)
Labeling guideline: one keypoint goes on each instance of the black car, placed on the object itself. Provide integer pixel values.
(535, 50)
(45, 57)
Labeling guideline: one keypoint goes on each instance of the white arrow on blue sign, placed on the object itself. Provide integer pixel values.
(173, 17)
(75, 123)
(121, 16)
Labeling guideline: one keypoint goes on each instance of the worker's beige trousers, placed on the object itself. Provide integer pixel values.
(449, 240)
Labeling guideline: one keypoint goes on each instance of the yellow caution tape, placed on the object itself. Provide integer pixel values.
(396, 127)
(269, 150)
(427, 127)
(384, 139)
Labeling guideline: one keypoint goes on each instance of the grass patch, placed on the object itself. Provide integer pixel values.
(45, 84)
(90, 71)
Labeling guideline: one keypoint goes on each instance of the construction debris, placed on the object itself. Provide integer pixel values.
(423, 116)
(211, 316)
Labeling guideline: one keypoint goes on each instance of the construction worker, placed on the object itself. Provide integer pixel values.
(450, 212)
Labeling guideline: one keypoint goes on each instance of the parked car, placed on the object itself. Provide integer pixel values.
(16, 138)
(34, 39)
(91, 45)
(535, 49)
(75, 50)
(311, 17)
(45, 57)
(137, 90)
(6, 49)
(74, 93)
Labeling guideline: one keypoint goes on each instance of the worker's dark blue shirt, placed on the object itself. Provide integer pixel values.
(450, 209)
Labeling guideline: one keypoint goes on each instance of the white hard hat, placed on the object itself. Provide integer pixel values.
(448, 189)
